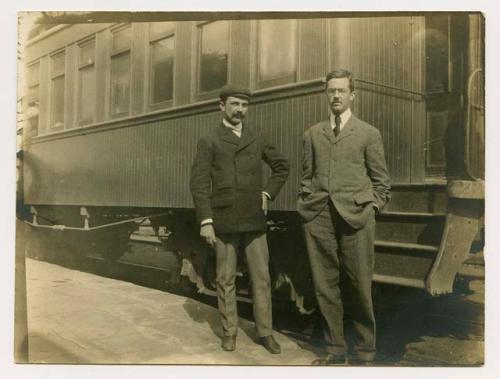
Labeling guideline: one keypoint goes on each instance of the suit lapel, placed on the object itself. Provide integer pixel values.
(227, 135)
(327, 131)
(247, 137)
(348, 129)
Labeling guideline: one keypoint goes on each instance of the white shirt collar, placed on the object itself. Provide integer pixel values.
(236, 129)
(344, 117)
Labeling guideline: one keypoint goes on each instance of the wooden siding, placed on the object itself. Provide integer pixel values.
(138, 51)
(184, 55)
(385, 54)
(240, 57)
(148, 165)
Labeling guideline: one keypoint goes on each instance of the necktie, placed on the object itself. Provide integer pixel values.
(336, 130)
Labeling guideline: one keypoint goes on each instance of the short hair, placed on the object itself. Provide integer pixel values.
(340, 73)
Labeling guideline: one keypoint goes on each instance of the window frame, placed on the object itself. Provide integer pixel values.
(30, 86)
(199, 95)
(79, 67)
(33, 101)
(114, 53)
(281, 80)
(152, 39)
(52, 76)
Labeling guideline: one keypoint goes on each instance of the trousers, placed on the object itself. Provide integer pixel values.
(342, 263)
(254, 246)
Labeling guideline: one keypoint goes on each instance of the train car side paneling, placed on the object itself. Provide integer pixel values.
(385, 54)
(147, 164)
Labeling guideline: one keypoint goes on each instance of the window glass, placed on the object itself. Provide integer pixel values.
(436, 128)
(161, 28)
(87, 95)
(32, 98)
(162, 70)
(87, 83)
(120, 83)
(87, 52)
(214, 55)
(57, 91)
(276, 55)
(57, 101)
(33, 74)
(57, 64)
(121, 39)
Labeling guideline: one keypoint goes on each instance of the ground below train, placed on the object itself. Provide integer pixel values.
(128, 313)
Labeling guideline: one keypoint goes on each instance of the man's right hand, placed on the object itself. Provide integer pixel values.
(207, 232)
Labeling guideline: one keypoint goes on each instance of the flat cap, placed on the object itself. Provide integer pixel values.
(234, 90)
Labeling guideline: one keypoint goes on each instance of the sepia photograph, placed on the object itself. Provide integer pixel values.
(250, 188)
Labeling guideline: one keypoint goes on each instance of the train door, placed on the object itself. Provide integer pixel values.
(445, 67)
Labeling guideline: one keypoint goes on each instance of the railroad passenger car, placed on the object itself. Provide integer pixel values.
(114, 112)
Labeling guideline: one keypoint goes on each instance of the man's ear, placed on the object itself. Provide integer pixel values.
(222, 105)
(353, 95)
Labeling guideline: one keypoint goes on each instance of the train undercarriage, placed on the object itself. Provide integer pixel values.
(426, 238)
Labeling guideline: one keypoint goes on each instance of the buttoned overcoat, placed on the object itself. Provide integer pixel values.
(227, 179)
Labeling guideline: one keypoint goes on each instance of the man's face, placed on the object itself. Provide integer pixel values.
(234, 109)
(339, 95)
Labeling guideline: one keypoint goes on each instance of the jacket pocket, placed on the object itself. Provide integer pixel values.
(221, 202)
(363, 198)
(222, 198)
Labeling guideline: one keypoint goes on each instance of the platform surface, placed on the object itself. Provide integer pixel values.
(77, 317)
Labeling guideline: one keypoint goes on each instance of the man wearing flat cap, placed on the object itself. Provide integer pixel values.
(231, 206)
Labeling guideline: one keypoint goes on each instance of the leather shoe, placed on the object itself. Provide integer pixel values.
(228, 343)
(330, 360)
(270, 344)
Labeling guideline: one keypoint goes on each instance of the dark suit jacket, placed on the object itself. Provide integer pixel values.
(226, 179)
(350, 169)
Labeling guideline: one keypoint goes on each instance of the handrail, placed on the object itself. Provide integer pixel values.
(467, 126)
(64, 227)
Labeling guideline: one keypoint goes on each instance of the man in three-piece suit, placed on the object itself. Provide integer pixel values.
(344, 183)
(231, 206)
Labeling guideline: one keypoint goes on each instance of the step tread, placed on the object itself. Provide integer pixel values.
(472, 271)
(406, 245)
(413, 214)
(407, 282)
(145, 238)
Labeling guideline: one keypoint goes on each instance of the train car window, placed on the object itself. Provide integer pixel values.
(57, 69)
(120, 72)
(277, 57)
(162, 70)
(33, 96)
(435, 153)
(122, 38)
(437, 53)
(161, 29)
(86, 83)
(214, 55)
(161, 77)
